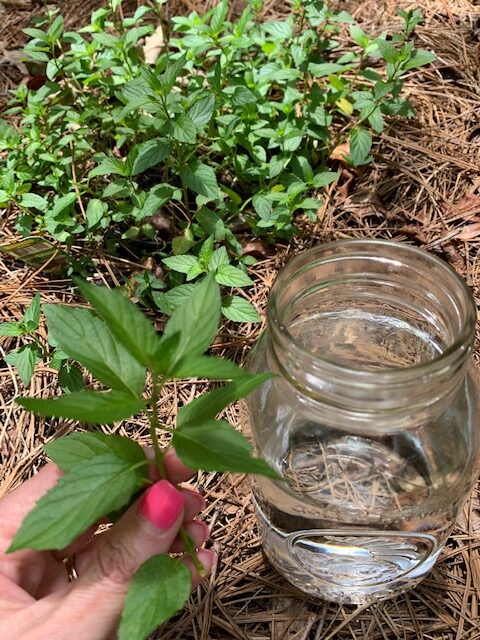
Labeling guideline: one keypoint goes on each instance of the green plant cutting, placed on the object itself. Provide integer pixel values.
(103, 474)
(226, 132)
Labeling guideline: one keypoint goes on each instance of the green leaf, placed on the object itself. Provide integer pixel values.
(201, 178)
(182, 263)
(200, 113)
(158, 590)
(105, 39)
(242, 96)
(55, 30)
(219, 257)
(124, 320)
(206, 252)
(171, 73)
(171, 300)
(216, 446)
(325, 68)
(63, 203)
(184, 129)
(149, 154)
(25, 359)
(196, 320)
(324, 178)
(53, 68)
(91, 407)
(387, 50)
(207, 367)
(419, 58)
(34, 201)
(108, 166)
(88, 340)
(96, 209)
(376, 121)
(101, 485)
(31, 318)
(239, 310)
(70, 378)
(74, 450)
(219, 15)
(232, 276)
(38, 34)
(360, 145)
(280, 29)
(209, 405)
(12, 329)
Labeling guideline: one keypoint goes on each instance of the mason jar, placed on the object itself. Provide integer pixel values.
(371, 419)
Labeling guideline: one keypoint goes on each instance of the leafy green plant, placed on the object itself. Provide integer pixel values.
(231, 128)
(26, 358)
(122, 350)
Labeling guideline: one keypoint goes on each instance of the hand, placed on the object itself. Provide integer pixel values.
(37, 599)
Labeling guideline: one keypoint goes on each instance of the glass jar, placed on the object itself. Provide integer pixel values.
(372, 419)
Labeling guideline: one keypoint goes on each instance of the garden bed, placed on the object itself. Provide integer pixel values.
(423, 187)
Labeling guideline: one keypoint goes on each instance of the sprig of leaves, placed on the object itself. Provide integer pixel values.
(104, 473)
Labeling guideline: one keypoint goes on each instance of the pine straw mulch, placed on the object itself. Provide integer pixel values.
(424, 187)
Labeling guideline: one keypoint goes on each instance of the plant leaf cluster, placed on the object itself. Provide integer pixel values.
(104, 474)
(231, 128)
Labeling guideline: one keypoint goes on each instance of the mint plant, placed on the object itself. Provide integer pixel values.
(105, 473)
(232, 127)
(28, 356)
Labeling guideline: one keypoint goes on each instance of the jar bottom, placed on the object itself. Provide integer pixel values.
(349, 566)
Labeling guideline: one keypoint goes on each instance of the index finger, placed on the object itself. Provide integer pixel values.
(15, 506)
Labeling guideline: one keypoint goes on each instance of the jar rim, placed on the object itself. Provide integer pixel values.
(459, 346)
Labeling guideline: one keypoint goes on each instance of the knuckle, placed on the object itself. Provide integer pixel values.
(116, 563)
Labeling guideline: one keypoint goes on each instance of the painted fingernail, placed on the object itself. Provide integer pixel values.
(162, 504)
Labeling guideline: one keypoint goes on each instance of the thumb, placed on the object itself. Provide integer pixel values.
(149, 527)
(105, 568)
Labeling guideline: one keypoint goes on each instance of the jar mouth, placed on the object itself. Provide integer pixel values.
(413, 300)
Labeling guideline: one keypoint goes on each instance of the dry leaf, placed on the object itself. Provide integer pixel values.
(340, 151)
(257, 248)
(469, 232)
(154, 45)
(468, 205)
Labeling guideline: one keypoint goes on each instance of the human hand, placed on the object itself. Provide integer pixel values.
(38, 601)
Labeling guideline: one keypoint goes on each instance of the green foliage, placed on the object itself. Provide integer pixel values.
(234, 123)
(29, 355)
(160, 579)
(104, 473)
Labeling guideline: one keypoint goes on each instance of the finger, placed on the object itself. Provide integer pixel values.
(149, 527)
(208, 559)
(198, 532)
(194, 504)
(176, 471)
(15, 506)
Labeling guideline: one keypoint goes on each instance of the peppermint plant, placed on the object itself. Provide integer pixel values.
(103, 473)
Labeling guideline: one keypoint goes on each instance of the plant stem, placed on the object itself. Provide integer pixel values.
(154, 424)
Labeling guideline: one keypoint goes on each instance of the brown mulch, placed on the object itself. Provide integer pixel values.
(423, 188)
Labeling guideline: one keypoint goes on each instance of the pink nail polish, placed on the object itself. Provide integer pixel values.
(162, 504)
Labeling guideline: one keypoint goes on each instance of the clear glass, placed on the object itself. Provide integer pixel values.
(372, 419)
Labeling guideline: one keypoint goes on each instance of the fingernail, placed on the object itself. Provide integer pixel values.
(161, 505)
